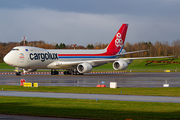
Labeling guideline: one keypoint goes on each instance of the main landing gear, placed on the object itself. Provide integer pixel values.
(54, 72)
(74, 72)
(68, 72)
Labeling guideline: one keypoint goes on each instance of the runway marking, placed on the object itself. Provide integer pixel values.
(92, 96)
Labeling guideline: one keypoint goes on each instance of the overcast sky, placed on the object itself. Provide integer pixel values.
(89, 21)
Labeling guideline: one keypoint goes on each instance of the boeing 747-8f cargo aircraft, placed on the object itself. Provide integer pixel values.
(73, 61)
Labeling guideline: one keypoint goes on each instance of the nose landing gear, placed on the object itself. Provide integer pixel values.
(18, 73)
(17, 70)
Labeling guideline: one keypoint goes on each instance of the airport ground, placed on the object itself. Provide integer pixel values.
(92, 80)
(90, 108)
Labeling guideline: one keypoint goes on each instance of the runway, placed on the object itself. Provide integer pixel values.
(92, 96)
(91, 80)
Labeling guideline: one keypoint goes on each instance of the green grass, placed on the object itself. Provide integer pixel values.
(88, 109)
(5, 66)
(171, 91)
(140, 64)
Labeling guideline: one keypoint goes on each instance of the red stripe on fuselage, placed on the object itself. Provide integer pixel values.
(108, 53)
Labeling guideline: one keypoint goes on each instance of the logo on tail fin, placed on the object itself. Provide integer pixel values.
(118, 41)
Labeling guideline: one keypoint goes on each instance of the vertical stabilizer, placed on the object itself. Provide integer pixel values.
(118, 41)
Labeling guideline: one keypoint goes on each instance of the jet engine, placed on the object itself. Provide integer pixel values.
(84, 68)
(120, 65)
(29, 70)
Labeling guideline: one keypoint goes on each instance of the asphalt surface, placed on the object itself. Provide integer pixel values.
(91, 80)
(92, 96)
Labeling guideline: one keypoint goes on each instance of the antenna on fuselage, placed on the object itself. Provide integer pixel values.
(24, 38)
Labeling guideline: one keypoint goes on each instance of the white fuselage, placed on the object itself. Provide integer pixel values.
(38, 58)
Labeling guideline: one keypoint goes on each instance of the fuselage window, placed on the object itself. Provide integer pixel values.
(15, 49)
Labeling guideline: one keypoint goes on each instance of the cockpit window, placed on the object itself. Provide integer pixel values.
(15, 49)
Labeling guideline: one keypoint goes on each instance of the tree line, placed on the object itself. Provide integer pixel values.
(156, 49)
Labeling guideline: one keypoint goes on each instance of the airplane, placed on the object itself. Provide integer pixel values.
(76, 62)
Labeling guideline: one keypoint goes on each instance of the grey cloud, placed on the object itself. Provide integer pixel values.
(129, 7)
(82, 28)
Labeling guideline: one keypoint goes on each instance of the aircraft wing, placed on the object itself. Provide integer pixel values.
(125, 53)
(138, 58)
(72, 64)
(94, 63)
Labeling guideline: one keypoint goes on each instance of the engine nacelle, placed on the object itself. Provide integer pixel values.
(29, 70)
(84, 68)
(120, 65)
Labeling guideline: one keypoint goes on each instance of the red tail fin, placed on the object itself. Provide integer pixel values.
(118, 40)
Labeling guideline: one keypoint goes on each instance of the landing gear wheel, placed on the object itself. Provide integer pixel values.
(18, 73)
(74, 72)
(54, 72)
(77, 73)
(67, 72)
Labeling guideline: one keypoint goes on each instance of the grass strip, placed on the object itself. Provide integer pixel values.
(171, 91)
(88, 109)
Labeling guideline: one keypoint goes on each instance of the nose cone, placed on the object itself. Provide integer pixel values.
(7, 59)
